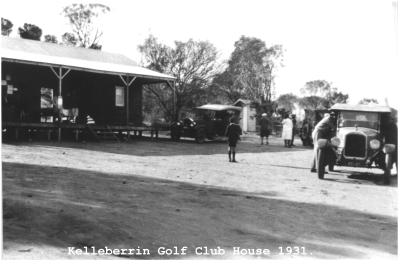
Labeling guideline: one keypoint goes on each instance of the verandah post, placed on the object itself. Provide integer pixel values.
(60, 77)
(59, 102)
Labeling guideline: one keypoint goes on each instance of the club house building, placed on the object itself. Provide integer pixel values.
(62, 91)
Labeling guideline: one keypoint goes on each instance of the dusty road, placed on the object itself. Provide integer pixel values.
(151, 194)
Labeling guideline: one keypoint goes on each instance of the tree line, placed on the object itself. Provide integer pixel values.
(82, 19)
(249, 73)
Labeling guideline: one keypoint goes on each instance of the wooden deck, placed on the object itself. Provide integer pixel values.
(114, 131)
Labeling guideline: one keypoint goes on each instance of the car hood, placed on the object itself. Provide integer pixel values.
(369, 133)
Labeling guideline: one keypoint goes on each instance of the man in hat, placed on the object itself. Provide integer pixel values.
(293, 117)
(265, 127)
(323, 130)
(390, 132)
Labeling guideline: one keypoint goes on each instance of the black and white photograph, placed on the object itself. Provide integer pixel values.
(201, 130)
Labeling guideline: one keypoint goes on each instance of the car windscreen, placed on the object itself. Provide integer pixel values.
(206, 115)
(359, 119)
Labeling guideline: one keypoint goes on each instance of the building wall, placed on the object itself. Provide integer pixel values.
(92, 94)
(252, 121)
(24, 102)
(248, 118)
(136, 100)
(245, 118)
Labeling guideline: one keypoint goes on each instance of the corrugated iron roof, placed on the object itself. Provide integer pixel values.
(364, 108)
(38, 52)
(218, 107)
(243, 101)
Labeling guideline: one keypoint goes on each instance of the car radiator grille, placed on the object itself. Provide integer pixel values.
(355, 145)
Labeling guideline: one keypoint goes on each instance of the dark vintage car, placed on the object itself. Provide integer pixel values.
(209, 122)
(362, 138)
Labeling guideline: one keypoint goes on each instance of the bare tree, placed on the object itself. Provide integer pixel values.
(192, 63)
(82, 18)
(287, 101)
(250, 71)
(69, 39)
(320, 94)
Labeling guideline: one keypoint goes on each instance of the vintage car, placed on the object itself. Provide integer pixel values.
(360, 140)
(209, 122)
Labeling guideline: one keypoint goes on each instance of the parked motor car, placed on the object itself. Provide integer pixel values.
(209, 122)
(360, 139)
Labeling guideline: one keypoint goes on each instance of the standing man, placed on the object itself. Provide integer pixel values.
(293, 117)
(390, 132)
(265, 125)
(233, 131)
(323, 130)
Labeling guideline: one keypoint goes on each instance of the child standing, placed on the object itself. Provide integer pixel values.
(233, 131)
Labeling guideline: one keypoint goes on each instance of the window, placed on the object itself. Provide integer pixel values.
(46, 104)
(119, 96)
(359, 119)
(46, 98)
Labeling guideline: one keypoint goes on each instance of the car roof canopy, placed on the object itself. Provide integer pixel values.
(364, 108)
(219, 107)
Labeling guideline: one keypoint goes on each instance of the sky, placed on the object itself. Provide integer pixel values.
(351, 43)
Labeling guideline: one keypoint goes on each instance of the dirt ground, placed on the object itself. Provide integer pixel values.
(159, 193)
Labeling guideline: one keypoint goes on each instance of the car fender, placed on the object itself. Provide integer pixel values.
(389, 148)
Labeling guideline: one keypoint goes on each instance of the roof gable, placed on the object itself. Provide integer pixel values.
(218, 107)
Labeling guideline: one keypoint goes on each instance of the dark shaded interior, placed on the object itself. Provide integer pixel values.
(92, 94)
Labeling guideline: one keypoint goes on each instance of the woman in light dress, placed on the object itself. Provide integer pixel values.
(287, 130)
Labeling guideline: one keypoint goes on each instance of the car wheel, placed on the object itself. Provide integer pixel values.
(200, 136)
(321, 163)
(175, 135)
(387, 170)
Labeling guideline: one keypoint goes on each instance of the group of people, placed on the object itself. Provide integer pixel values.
(233, 132)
